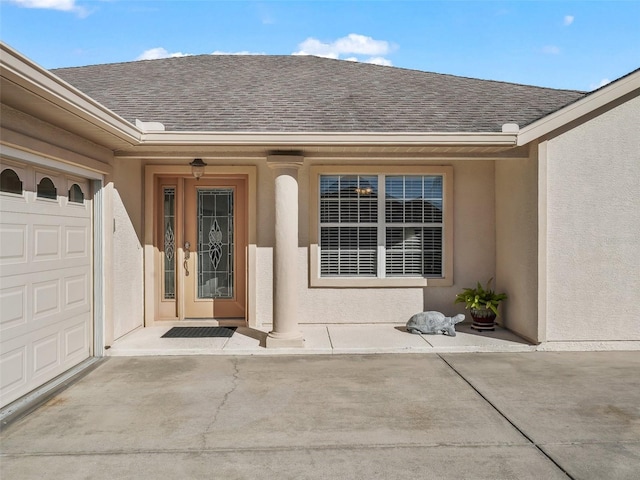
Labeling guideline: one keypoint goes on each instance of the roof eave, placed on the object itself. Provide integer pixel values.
(585, 106)
(48, 87)
(296, 139)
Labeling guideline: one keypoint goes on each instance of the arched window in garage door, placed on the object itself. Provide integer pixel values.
(75, 194)
(10, 182)
(46, 189)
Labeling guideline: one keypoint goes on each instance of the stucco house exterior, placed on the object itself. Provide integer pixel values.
(333, 192)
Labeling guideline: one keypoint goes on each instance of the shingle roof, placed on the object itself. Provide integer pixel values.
(260, 93)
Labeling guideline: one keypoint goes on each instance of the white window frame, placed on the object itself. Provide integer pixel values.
(381, 280)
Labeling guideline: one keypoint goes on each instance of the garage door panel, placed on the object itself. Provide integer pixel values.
(13, 307)
(46, 298)
(13, 243)
(76, 291)
(56, 346)
(76, 340)
(77, 241)
(46, 306)
(41, 270)
(46, 242)
(28, 205)
(51, 246)
(13, 373)
(38, 357)
(32, 302)
(46, 354)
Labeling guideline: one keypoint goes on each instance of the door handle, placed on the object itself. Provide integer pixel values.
(187, 255)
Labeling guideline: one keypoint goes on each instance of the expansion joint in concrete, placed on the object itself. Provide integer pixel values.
(501, 413)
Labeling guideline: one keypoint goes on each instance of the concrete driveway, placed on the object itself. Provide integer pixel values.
(538, 415)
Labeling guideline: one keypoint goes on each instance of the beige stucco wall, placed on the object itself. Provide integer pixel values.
(34, 135)
(593, 229)
(474, 245)
(126, 232)
(474, 254)
(517, 243)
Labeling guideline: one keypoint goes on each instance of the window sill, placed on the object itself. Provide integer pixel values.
(390, 282)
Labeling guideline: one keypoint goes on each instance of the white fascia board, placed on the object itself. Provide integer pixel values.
(44, 84)
(323, 138)
(584, 106)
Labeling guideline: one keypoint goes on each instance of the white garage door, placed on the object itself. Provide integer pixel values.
(45, 276)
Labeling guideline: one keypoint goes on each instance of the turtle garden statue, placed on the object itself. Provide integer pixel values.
(432, 323)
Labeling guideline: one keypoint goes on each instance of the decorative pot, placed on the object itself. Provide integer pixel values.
(483, 319)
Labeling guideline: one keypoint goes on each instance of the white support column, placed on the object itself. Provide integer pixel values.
(285, 331)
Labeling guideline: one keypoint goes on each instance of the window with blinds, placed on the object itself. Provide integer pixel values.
(381, 225)
(348, 225)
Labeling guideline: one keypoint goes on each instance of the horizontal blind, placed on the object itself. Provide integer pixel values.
(348, 225)
(414, 228)
(411, 222)
(414, 251)
(350, 251)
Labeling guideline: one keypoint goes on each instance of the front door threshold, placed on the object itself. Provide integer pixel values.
(201, 322)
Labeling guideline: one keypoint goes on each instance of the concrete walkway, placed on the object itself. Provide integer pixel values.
(536, 415)
(345, 339)
(320, 339)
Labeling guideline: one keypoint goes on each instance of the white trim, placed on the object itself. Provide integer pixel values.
(13, 153)
(315, 280)
(99, 296)
(325, 138)
(584, 106)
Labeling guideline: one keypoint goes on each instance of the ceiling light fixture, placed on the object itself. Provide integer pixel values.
(197, 168)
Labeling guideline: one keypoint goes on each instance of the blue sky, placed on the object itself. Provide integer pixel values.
(577, 45)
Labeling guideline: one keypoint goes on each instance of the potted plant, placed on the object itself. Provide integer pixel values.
(482, 303)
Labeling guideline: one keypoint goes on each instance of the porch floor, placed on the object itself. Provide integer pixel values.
(321, 339)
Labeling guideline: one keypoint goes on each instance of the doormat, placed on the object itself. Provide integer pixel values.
(200, 332)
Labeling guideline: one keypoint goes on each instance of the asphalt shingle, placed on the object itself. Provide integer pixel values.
(260, 93)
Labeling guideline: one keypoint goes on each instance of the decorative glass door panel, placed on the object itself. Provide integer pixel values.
(215, 243)
(214, 248)
(168, 230)
(169, 264)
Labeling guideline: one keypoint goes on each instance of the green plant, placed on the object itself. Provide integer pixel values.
(481, 297)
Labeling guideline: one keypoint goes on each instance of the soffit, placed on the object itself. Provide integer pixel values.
(370, 151)
(59, 115)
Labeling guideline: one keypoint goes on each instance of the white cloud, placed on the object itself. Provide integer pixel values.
(568, 20)
(603, 82)
(551, 50)
(243, 52)
(352, 44)
(312, 46)
(159, 52)
(62, 5)
(355, 48)
(379, 61)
